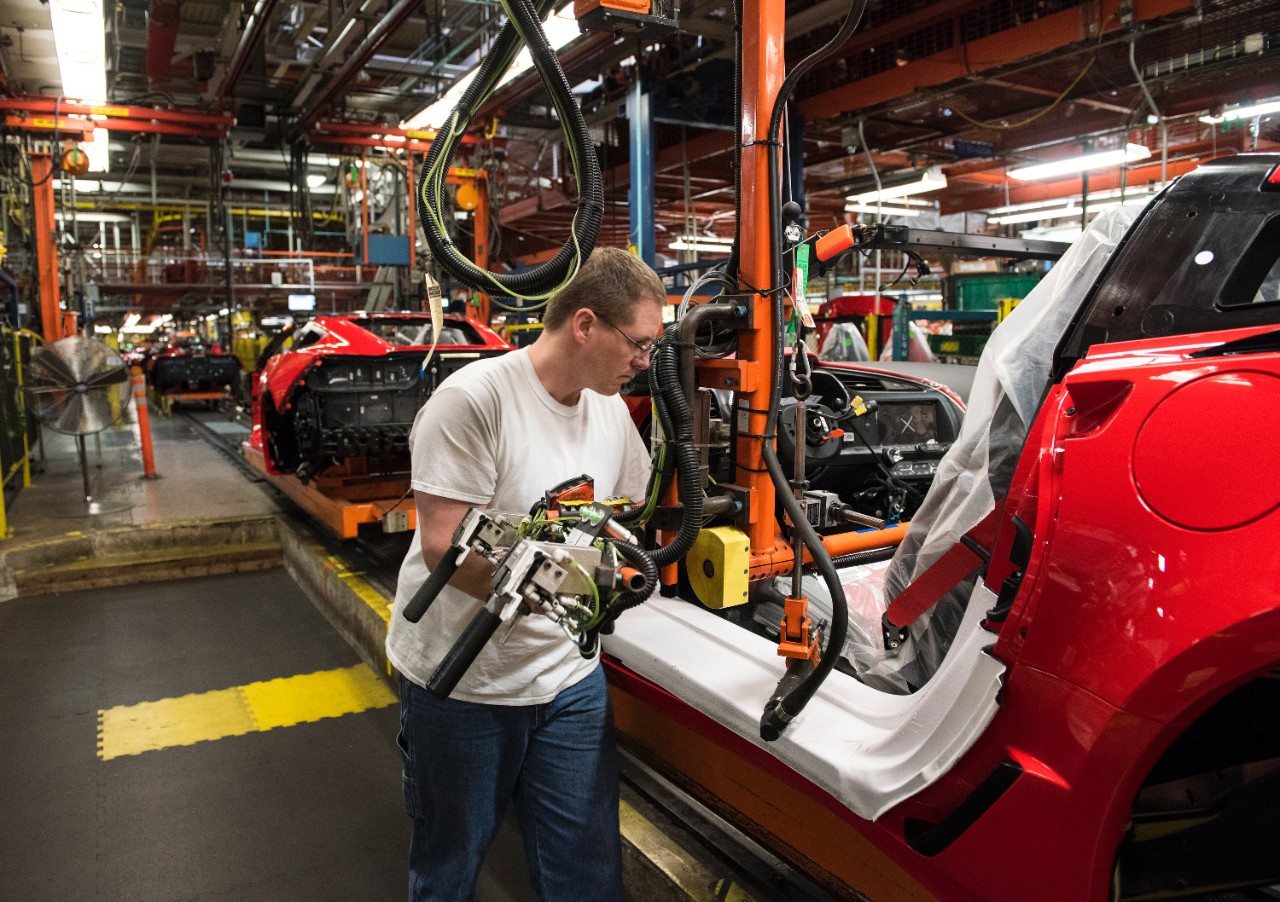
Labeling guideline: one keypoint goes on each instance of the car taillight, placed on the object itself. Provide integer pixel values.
(1273, 181)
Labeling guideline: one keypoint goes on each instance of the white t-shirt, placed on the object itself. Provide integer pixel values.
(492, 436)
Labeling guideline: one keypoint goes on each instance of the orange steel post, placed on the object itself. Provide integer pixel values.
(51, 320)
(144, 423)
(762, 72)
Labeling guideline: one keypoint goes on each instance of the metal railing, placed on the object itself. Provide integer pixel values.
(21, 430)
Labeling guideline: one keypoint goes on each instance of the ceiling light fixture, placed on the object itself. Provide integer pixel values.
(931, 179)
(561, 28)
(1036, 215)
(881, 210)
(78, 37)
(1102, 160)
(1244, 112)
(702, 245)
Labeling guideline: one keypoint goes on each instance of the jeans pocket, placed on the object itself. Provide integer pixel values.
(407, 776)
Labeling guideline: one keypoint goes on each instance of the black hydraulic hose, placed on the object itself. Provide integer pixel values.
(586, 223)
(625, 600)
(874, 556)
(687, 462)
(800, 683)
(642, 561)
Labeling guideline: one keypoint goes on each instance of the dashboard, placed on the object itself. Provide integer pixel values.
(889, 457)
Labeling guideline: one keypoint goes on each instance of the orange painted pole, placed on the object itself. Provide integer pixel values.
(51, 319)
(763, 25)
(144, 423)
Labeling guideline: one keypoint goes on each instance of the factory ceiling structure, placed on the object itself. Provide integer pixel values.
(264, 101)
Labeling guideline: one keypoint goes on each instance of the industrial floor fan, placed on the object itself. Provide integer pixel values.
(77, 386)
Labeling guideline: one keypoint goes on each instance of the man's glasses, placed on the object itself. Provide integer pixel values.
(643, 348)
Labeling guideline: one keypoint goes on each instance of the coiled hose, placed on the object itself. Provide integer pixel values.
(523, 23)
(679, 418)
(802, 678)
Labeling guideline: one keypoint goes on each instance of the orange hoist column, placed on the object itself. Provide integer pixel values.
(52, 322)
(762, 72)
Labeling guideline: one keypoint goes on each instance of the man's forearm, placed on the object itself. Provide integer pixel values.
(473, 576)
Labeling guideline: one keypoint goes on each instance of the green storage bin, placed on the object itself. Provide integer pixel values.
(984, 290)
(963, 344)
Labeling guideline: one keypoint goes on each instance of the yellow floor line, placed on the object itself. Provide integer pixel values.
(253, 708)
(696, 882)
(380, 604)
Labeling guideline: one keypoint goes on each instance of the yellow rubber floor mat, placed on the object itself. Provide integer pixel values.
(252, 708)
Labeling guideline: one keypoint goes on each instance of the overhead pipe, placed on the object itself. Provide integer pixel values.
(249, 36)
(378, 35)
(163, 20)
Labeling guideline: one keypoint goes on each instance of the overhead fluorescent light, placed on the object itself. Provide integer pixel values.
(930, 179)
(98, 150)
(316, 180)
(1073, 208)
(561, 28)
(702, 245)
(1102, 160)
(882, 210)
(1143, 193)
(1036, 215)
(1244, 112)
(91, 216)
(79, 38)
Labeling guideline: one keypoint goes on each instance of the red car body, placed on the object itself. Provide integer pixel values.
(1135, 751)
(185, 363)
(351, 385)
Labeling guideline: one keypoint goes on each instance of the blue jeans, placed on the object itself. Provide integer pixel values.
(464, 762)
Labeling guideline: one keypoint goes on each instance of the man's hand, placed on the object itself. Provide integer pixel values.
(438, 518)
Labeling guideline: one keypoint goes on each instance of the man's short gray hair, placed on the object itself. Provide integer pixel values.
(611, 283)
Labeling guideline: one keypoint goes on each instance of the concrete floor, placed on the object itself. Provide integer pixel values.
(312, 811)
(196, 482)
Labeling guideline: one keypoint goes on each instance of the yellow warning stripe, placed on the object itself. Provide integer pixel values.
(252, 708)
(379, 603)
(690, 877)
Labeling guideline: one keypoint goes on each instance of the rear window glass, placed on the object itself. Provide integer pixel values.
(1256, 279)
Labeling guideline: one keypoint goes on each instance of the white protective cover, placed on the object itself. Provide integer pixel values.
(1010, 382)
(865, 741)
(844, 343)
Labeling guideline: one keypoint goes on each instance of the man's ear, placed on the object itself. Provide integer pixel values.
(581, 324)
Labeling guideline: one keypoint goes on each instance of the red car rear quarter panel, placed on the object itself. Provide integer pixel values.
(1124, 592)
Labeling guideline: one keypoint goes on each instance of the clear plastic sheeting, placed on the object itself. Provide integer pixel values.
(918, 350)
(844, 343)
(1008, 386)
(863, 647)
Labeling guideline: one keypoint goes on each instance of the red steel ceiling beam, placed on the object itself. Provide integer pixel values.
(377, 36)
(62, 125)
(50, 105)
(249, 36)
(163, 20)
(1043, 36)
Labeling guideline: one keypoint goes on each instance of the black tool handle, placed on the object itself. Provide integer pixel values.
(464, 651)
(442, 573)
